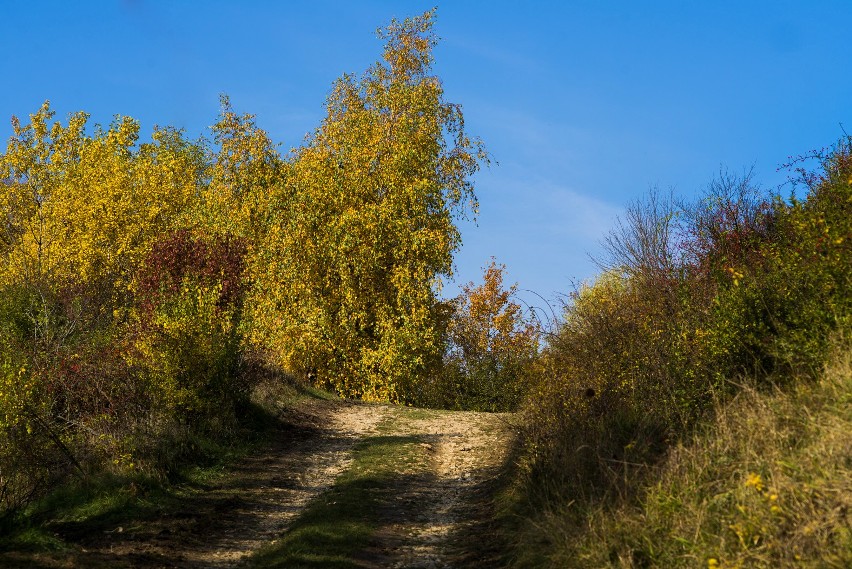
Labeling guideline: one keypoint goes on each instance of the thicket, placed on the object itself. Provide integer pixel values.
(491, 348)
(764, 483)
(143, 284)
(697, 300)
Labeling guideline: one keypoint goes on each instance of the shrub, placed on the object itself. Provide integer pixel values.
(65, 391)
(695, 298)
(776, 306)
(764, 484)
(188, 337)
(492, 347)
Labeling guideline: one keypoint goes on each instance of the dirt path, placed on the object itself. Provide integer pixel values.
(267, 492)
(467, 453)
(258, 500)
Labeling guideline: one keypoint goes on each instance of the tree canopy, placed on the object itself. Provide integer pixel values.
(363, 225)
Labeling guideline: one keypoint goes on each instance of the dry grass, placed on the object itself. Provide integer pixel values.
(767, 484)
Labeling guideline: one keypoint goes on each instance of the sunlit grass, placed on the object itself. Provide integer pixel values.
(766, 484)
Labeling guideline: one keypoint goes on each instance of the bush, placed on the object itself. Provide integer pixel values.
(492, 348)
(82, 390)
(188, 338)
(775, 308)
(765, 484)
(694, 299)
(65, 393)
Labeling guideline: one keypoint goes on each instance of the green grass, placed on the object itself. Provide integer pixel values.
(336, 530)
(106, 501)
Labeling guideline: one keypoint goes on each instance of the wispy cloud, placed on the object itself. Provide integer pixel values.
(546, 207)
(502, 56)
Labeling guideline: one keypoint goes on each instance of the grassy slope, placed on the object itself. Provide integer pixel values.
(108, 500)
(767, 484)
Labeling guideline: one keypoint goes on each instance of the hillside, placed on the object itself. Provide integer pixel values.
(215, 352)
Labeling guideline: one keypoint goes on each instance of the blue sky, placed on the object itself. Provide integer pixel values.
(583, 105)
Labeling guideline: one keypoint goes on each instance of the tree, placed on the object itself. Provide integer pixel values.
(82, 208)
(79, 210)
(364, 226)
(491, 345)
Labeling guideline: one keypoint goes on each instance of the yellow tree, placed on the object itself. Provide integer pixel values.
(79, 211)
(365, 225)
(245, 171)
(82, 208)
(492, 346)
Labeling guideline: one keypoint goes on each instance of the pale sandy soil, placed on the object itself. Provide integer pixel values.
(468, 450)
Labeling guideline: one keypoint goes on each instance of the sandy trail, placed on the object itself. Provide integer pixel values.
(468, 451)
(266, 492)
(222, 524)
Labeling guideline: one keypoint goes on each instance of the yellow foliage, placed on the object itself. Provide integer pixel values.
(346, 238)
(488, 322)
(84, 208)
(362, 226)
(492, 345)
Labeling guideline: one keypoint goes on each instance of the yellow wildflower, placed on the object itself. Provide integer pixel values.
(756, 481)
